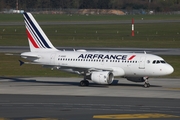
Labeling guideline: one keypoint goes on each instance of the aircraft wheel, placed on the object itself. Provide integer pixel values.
(87, 83)
(84, 83)
(146, 85)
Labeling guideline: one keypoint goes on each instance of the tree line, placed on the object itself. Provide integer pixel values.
(156, 5)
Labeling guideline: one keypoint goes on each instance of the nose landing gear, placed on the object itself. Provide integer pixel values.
(146, 83)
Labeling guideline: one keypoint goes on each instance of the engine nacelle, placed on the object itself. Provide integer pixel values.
(103, 77)
(136, 79)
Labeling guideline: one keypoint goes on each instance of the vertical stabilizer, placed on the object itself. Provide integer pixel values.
(38, 41)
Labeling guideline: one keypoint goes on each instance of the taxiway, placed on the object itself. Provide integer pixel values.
(160, 87)
(51, 98)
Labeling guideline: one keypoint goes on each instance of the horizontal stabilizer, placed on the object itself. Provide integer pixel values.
(21, 62)
(12, 54)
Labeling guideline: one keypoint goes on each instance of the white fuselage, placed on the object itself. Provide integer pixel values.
(122, 64)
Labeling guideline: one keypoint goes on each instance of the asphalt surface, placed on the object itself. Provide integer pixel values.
(51, 98)
(38, 107)
(160, 87)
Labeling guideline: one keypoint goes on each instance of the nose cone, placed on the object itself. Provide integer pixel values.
(169, 69)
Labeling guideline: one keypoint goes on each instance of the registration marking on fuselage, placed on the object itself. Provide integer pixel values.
(135, 116)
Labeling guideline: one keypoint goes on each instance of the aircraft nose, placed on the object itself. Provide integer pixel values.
(170, 69)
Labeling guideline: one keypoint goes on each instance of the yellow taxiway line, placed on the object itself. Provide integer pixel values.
(174, 88)
(135, 116)
(41, 119)
(3, 119)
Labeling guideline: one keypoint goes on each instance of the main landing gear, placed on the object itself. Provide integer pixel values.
(84, 83)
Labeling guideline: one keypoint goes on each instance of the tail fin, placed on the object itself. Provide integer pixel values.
(38, 41)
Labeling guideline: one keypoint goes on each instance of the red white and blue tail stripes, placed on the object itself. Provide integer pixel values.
(37, 38)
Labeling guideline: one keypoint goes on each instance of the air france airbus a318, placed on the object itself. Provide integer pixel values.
(99, 67)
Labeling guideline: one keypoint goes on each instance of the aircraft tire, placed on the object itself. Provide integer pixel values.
(146, 85)
(84, 83)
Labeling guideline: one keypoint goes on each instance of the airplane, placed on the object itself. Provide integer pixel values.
(97, 66)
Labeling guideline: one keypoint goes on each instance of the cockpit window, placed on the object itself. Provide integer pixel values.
(154, 61)
(158, 61)
(163, 61)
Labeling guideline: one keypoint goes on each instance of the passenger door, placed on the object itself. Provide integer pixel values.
(142, 63)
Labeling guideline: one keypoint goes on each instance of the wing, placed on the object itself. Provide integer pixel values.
(30, 57)
(78, 70)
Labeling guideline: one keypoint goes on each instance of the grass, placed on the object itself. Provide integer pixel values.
(119, 35)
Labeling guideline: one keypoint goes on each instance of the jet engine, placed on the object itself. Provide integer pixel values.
(136, 79)
(103, 77)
